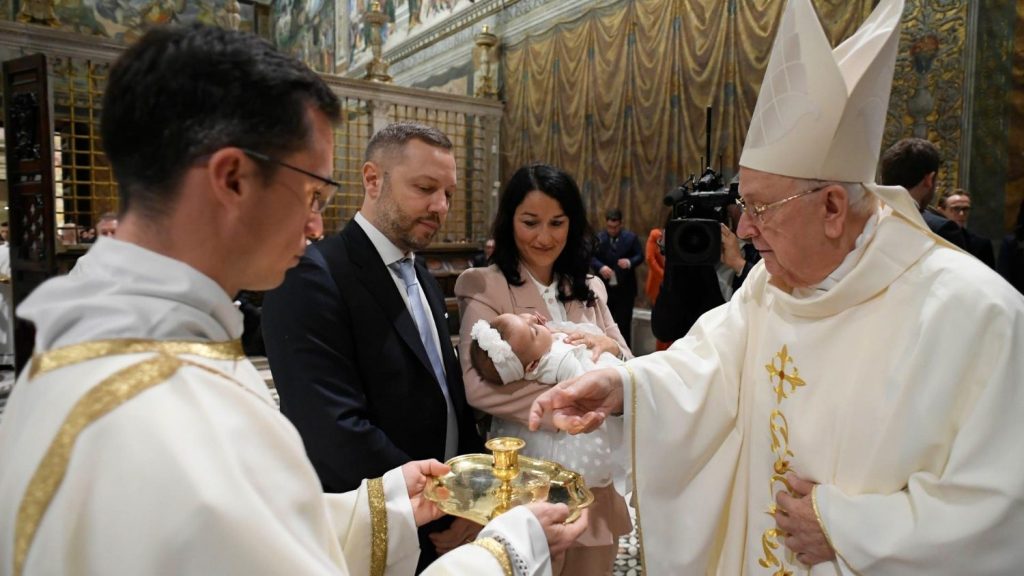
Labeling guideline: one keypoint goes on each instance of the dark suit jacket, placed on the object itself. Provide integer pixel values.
(1011, 261)
(608, 254)
(947, 229)
(980, 247)
(351, 371)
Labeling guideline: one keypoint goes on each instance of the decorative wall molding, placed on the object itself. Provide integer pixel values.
(30, 38)
(512, 25)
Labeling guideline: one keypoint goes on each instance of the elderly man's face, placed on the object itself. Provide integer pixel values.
(790, 237)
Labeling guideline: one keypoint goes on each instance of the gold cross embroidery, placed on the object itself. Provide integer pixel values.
(779, 376)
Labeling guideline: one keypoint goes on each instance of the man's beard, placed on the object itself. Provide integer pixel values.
(398, 226)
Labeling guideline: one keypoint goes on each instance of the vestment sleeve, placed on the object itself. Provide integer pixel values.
(968, 517)
(375, 524)
(516, 537)
(681, 409)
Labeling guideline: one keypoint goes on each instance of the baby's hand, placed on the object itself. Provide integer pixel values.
(597, 343)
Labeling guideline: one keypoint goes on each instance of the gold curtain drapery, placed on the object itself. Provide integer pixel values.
(617, 96)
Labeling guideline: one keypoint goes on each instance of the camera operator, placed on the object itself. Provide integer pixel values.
(699, 274)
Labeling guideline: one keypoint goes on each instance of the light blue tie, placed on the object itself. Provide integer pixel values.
(412, 288)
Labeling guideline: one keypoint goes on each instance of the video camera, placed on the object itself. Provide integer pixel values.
(693, 236)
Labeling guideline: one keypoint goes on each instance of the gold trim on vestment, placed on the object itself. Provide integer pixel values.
(821, 523)
(100, 400)
(61, 357)
(785, 372)
(378, 527)
(636, 493)
(498, 551)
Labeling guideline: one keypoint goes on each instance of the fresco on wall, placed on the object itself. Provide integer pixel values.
(928, 88)
(305, 29)
(125, 20)
(406, 19)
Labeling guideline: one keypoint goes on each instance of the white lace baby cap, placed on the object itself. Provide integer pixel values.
(508, 365)
(821, 112)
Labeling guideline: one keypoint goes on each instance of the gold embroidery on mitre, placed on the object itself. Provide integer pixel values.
(781, 371)
(378, 527)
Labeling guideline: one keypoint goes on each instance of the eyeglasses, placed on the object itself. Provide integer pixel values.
(758, 210)
(321, 197)
(959, 209)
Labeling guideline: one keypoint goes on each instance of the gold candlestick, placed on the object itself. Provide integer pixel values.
(505, 451)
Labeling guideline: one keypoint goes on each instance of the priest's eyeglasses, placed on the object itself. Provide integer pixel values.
(758, 210)
(321, 197)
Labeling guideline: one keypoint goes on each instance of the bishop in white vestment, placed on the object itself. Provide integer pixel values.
(857, 407)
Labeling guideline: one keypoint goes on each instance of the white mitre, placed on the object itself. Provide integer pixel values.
(821, 112)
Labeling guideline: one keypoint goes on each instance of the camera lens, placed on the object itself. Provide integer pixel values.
(693, 241)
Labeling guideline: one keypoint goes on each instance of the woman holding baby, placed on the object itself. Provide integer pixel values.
(540, 267)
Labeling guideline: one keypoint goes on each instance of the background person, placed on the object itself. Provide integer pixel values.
(107, 224)
(957, 207)
(913, 163)
(615, 259)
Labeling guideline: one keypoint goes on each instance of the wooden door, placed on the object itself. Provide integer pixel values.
(30, 160)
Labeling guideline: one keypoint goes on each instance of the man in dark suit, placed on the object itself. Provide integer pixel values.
(957, 207)
(615, 259)
(357, 336)
(914, 163)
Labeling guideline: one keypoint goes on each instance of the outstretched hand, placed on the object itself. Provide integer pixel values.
(795, 516)
(581, 404)
(417, 474)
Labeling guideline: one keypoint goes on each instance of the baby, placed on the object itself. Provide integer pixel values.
(514, 347)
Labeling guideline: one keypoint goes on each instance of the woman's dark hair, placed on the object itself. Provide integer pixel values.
(573, 264)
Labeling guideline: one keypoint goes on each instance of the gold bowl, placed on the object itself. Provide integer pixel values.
(481, 486)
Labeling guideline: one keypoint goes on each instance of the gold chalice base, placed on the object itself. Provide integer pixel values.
(474, 490)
